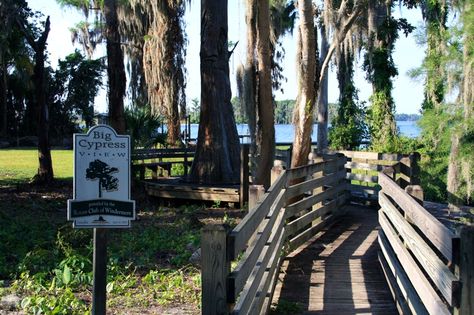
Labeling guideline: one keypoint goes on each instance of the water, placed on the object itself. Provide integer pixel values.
(285, 133)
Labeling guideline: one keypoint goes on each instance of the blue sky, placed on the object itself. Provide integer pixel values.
(408, 94)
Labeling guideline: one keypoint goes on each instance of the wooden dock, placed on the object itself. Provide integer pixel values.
(176, 188)
(338, 273)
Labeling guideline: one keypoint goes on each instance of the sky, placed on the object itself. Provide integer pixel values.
(407, 93)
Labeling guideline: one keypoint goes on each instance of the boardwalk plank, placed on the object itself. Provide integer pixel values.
(338, 272)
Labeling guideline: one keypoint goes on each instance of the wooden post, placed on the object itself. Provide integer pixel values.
(215, 269)
(466, 271)
(414, 168)
(256, 193)
(185, 161)
(99, 295)
(390, 172)
(244, 174)
(416, 192)
(276, 172)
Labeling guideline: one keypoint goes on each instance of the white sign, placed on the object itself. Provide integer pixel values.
(101, 180)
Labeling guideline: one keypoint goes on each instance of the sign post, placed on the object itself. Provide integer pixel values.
(101, 195)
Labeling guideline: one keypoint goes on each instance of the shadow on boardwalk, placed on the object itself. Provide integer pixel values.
(339, 272)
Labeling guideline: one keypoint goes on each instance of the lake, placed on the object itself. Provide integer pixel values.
(285, 133)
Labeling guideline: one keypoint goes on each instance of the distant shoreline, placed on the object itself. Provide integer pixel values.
(407, 117)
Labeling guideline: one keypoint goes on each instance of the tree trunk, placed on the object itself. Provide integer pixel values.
(217, 158)
(380, 72)
(307, 84)
(454, 174)
(265, 117)
(460, 178)
(115, 68)
(322, 143)
(3, 95)
(45, 169)
(249, 81)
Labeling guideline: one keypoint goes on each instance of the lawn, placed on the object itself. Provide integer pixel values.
(47, 265)
(20, 165)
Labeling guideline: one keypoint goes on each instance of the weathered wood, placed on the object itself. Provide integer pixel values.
(362, 177)
(256, 193)
(364, 166)
(274, 221)
(193, 192)
(327, 180)
(300, 222)
(266, 287)
(248, 293)
(307, 170)
(249, 224)
(466, 272)
(215, 269)
(360, 154)
(337, 271)
(277, 170)
(308, 202)
(397, 294)
(304, 236)
(363, 189)
(435, 231)
(416, 192)
(425, 291)
(442, 277)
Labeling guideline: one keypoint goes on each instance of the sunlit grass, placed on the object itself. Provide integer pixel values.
(20, 165)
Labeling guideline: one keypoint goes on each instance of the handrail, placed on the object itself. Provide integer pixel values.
(256, 244)
(420, 256)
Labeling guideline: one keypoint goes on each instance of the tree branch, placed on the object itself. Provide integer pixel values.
(341, 35)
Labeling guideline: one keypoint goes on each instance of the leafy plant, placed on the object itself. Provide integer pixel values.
(284, 307)
(143, 125)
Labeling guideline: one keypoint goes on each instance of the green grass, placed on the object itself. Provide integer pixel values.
(48, 264)
(20, 165)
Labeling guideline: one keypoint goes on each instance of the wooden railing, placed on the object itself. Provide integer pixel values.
(299, 204)
(363, 167)
(429, 268)
(161, 159)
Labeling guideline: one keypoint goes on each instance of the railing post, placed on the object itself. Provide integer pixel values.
(277, 169)
(414, 168)
(244, 174)
(416, 192)
(466, 271)
(214, 271)
(256, 193)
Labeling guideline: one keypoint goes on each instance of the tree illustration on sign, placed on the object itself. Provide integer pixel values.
(99, 170)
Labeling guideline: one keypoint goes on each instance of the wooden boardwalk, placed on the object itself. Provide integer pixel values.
(338, 273)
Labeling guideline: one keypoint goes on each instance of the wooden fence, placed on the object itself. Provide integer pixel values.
(161, 159)
(299, 204)
(428, 266)
(363, 167)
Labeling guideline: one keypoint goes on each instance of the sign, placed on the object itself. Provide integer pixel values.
(101, 180)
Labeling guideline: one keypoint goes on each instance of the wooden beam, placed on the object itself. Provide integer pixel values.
(442, 277)
(215, 269)
(241, 234)
(466, 272)
(403, 292)
(439, 235)
(248, 293)
(273, 222)
(425, 291)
